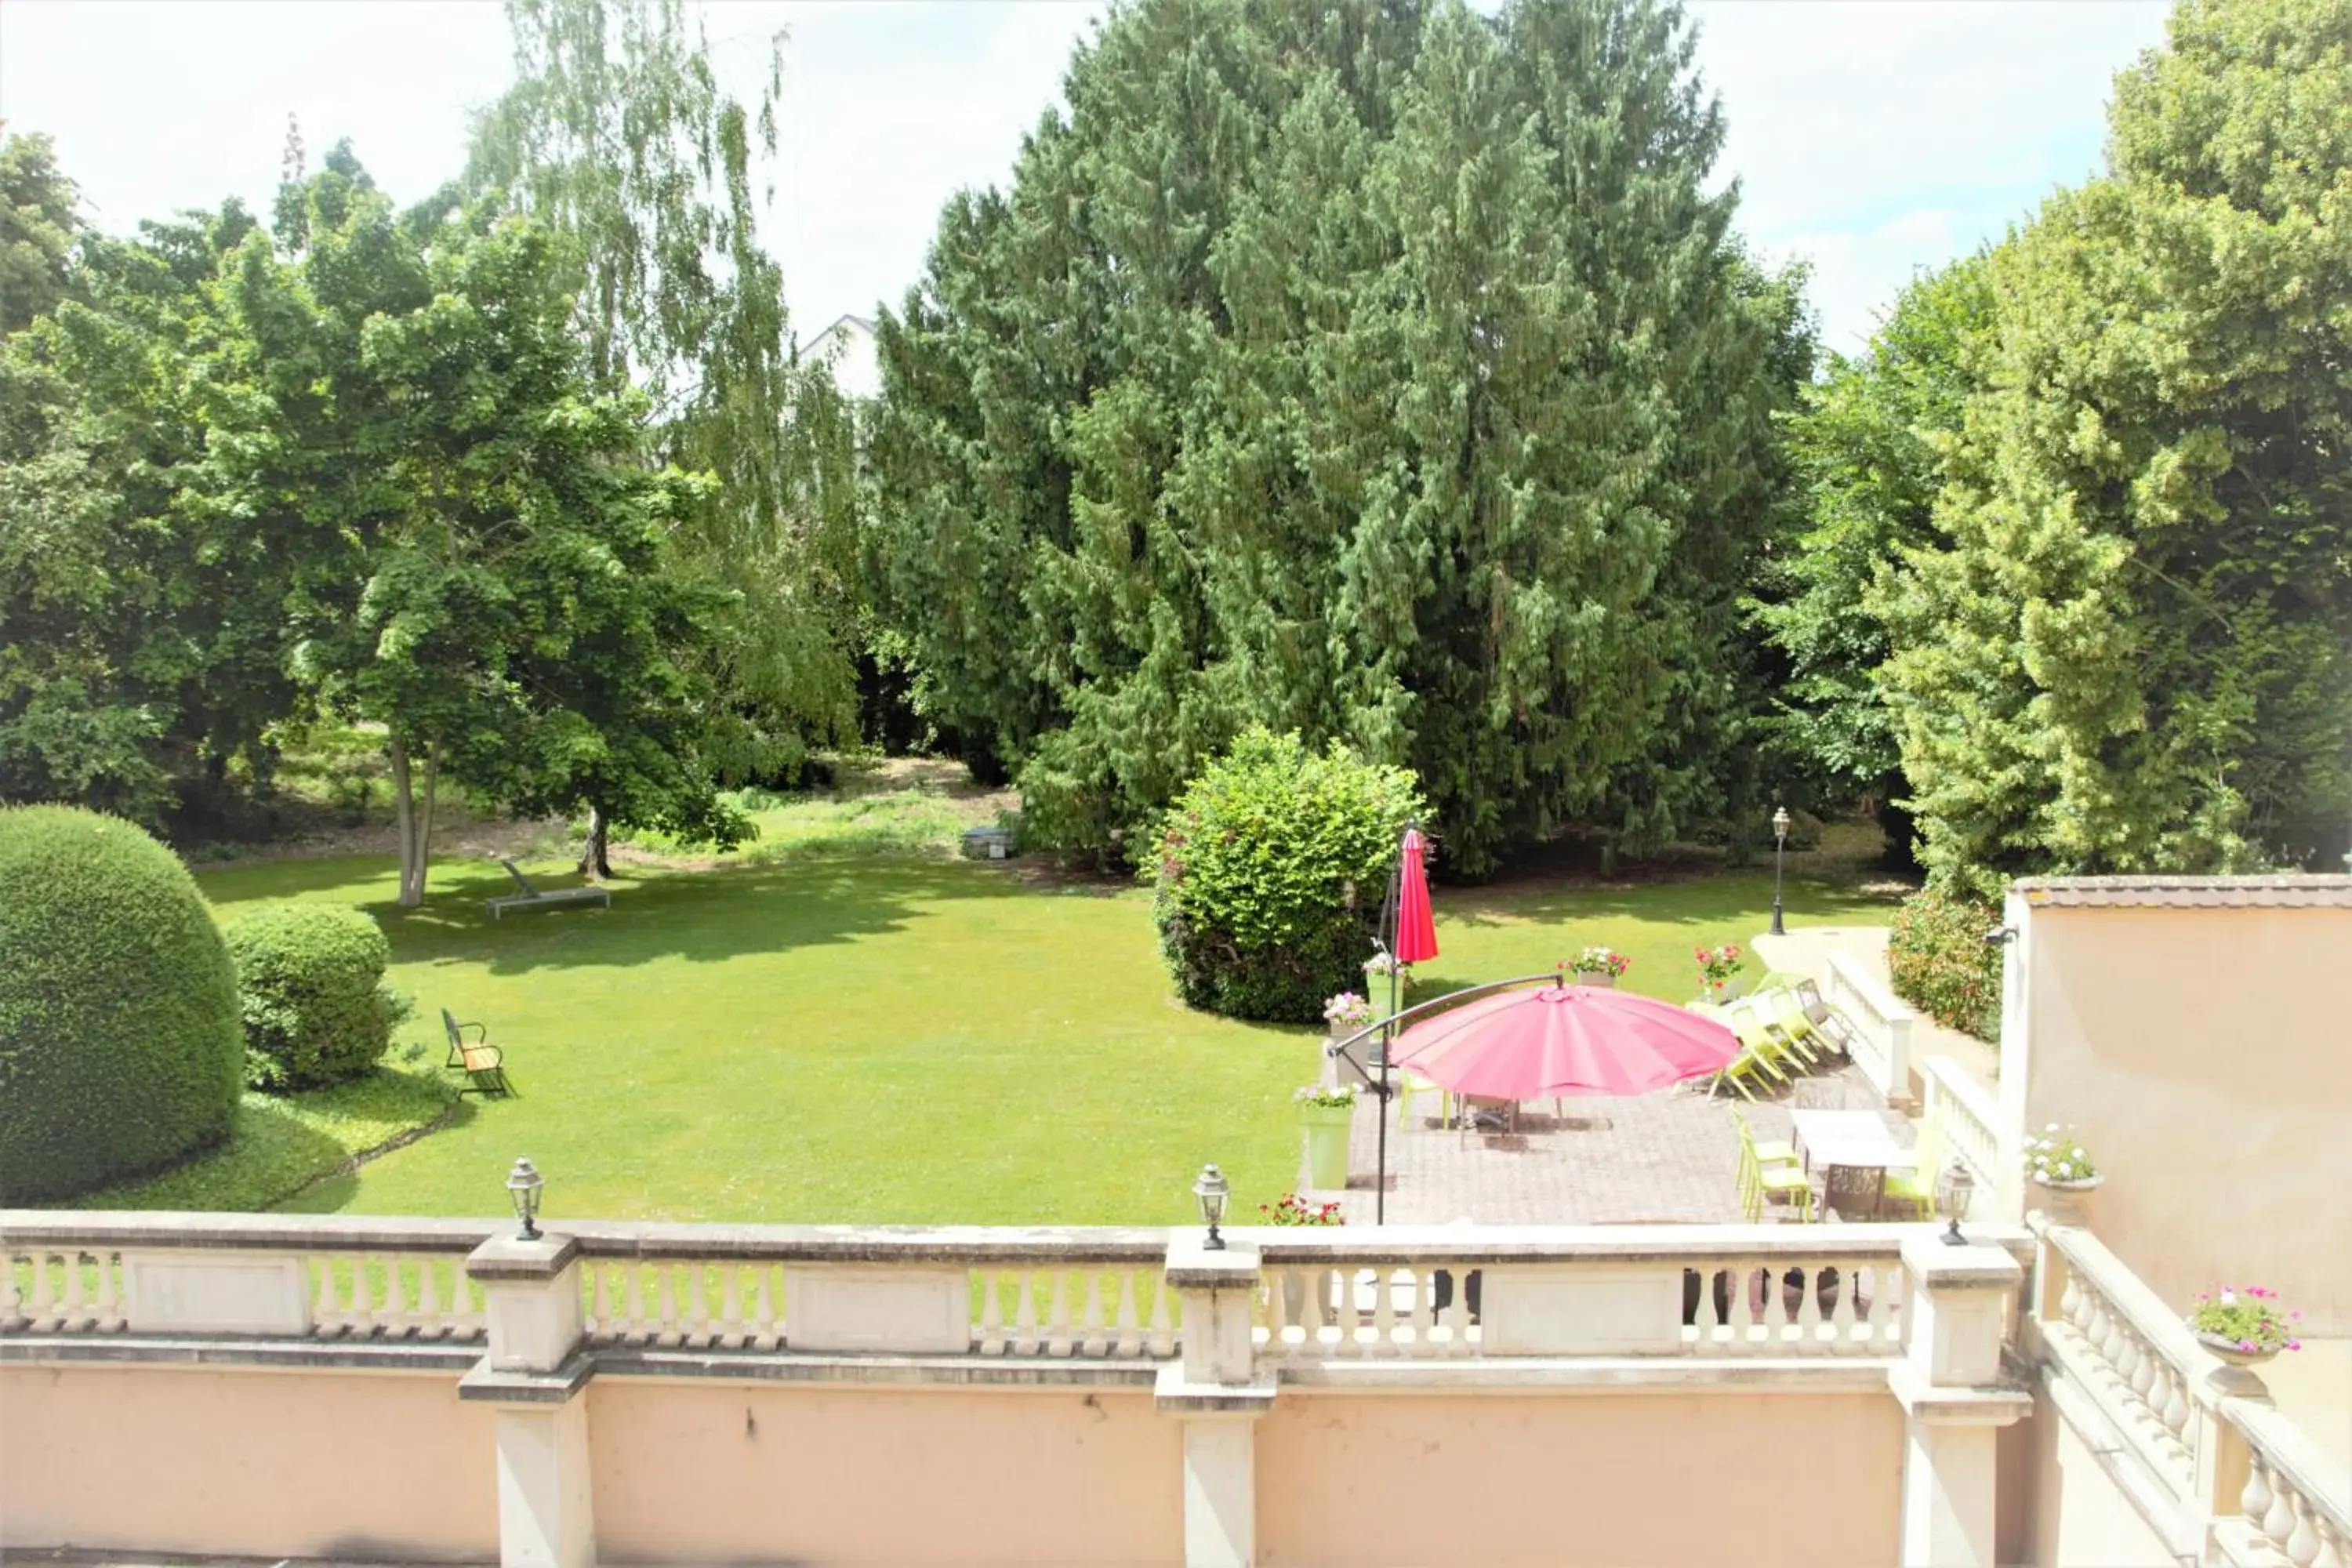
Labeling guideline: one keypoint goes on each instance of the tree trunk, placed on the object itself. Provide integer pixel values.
(413, 819)
(595, 862)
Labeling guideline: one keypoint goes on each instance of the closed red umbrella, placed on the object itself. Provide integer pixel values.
(1416, 931)
(1561, 1040)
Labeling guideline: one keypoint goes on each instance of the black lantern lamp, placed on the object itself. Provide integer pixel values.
(1213, 1192)
(1952, 1194)
(524, 1183)
(1780, 851)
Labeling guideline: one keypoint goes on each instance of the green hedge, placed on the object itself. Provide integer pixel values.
(1941, 963)
(310, 978)
(1272, 868)
(120, 1045)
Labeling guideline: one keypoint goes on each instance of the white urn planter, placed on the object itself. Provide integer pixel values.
(2068, 1202)
(1600, 977)
(2229, 1352)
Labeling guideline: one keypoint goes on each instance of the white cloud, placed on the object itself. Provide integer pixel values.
(1879, 139)
(1876, 138)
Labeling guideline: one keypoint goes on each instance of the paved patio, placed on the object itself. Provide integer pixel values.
(1669, 1157)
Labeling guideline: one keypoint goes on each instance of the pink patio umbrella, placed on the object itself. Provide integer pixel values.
(1410, 931)
(1563, 1040)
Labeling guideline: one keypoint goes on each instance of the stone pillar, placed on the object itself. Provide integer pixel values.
(1214, 1389)
(534, 1371)
(1954, 1402)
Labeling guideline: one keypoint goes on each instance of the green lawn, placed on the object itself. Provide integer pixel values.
(895, 1039)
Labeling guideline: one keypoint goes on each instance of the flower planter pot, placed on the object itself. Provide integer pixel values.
(2069, 1203)
(1327, 1128)
(2229, 1352)
(1600, 977)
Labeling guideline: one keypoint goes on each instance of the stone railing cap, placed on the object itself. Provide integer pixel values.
(511, 1256)
(1193, 1266)
(1973, 1265)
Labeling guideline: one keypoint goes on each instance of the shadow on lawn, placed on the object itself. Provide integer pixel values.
(702, 916)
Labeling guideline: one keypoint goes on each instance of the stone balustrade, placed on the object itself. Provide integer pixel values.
(357, 1280)
(2213, 1466)
(1882, 1024)
(1396, 1294)
(1406, 1293)
(1968, 1114)
(2295, 1508)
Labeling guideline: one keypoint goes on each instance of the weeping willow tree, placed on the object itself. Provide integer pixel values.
(619, 134)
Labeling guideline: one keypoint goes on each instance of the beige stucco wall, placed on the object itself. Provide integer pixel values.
(304, 1463)
(2080, 1518)
(2207, 1053)
(1430, 1480)
(693, 1472)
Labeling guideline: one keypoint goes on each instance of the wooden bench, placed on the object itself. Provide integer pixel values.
(533, 896)
(480, 1061)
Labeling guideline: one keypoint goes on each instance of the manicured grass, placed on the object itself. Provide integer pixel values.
(893, 1038)
(279, 1146)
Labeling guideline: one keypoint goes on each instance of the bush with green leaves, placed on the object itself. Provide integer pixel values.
(1941, 963)
(120, 1048)
(310, 980)
(1272, 868)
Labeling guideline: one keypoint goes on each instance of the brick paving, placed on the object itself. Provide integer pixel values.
(1669, 1157)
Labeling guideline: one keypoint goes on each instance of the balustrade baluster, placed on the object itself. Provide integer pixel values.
(770, 1332)
(73, 1310)
(428, 1297)
(633, 1278)
(2302, 1543)
(1092, 1341)
(2070, 1294)
(605, 1327)
(991, 1313)
(1844, 1319)
(1809, 1303)
(2331, 1551)
(1384, 1315)
(43, 1301)
(2278, 1519)
(1131, 1332)
(12, 1299)
(1743, 1307)
(1885, 1320)
(1457, 1318)
(1024, 1316)
(1057, 1315)
(730, 1306)
(1351, 1321)
(666, 1325)
(363, 1319)
(696, 1329)
(1163, 1326)
(325, 1311)
(109, 1315)
(1776, 1307)
(2255, 1501)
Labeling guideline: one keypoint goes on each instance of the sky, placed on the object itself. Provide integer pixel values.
(1872, 138)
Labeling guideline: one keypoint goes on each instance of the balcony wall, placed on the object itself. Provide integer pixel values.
(400, 1390)
(2200, 1047)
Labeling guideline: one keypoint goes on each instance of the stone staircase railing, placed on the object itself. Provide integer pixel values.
(2202, 1454)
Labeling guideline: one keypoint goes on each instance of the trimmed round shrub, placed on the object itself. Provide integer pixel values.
(120, 1045)
(1938, 959)
(1273, 865)
(309, 979)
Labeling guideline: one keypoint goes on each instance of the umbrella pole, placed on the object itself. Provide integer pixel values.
(1388, 1036)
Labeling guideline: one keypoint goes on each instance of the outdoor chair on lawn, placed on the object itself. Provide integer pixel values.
(483, 1063)
(531, 896)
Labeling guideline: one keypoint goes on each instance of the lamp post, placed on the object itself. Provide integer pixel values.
(1952, 1196)
(1211, 1191)
(1780, 852)
(524, 1183)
